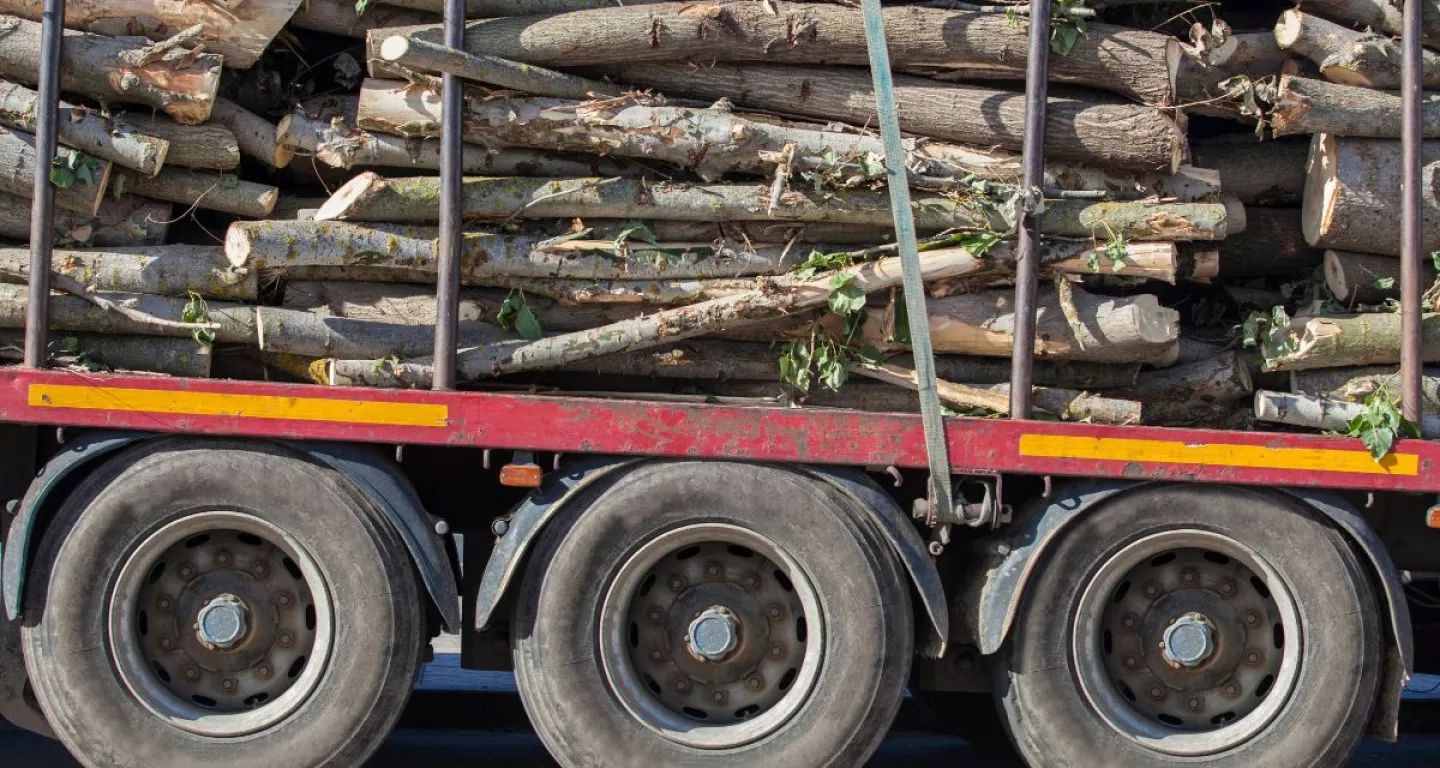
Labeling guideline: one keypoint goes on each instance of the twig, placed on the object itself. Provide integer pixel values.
(75, 288)
(1076, 12)
(560, 193)
(143, 57)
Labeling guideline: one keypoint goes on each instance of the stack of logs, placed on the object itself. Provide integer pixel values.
(664, 200)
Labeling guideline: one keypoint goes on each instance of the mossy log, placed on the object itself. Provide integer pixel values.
(1356, 384)
(1347, 340)
(209, 146)
(1348, 56)
(85, 129)
(1308, 106)
(163, 270)
(129, 222)
(1321, 413)
(18, 165)
(182, 357)
(211, 191)
(71, 313)
(1364, 278)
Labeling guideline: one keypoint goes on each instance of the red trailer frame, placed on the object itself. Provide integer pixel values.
(643, 428)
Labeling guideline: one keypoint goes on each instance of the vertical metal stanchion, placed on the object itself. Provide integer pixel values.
(42, 211)
(1027, 266)
(1411, 225)
(447, 287)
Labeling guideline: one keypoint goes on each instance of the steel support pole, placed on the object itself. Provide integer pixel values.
(447, 287)
(42, 210)
(1411, 226)
(1027, 266)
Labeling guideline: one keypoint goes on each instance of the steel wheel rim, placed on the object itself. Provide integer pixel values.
(160, 653)
(777, 657)
(1255, 651)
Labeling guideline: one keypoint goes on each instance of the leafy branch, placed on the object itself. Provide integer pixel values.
(1381, 424)
(72, 167)
(197, 311)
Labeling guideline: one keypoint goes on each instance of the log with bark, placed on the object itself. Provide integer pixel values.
(1136, 64)
(83, 192)
(1381, 15)
(326, 128)
(238, 31)
(781, 298)
(1080, 125)
(85, 129)
(1315, 106)
(1345, 340)
(423, 55)
(1352, 195)
(370, 197)
(293, 332)
(234, 323)
(1356, 384)
(1364, 278)
(1272, 245)
(254, 134)
(1322, 413)
(1068, 405)
(716, 141)
(163, 270)
(209, 146)
(1270, 173)
(181, 84)
(486, 9)
(146, 354)
(339, 17)
(132, 221)
(1198, 82)
(1348, 56)
(200, 189)
(1193, 393)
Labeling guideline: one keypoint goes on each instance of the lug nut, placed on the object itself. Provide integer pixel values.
(227, 684)
(1152, 590)
(676, 583)
(1227, 587)
(222, 557)
(776, 613)
(1157, 693)
(167, 643)
(283, 599)
(187, 571)
(751, 582)
(656, 615)
(777, 651)
(163, 603)
(1231, 689)
(285, 640)
(1252, 658)
(1189, 576)
(260, 569)
(719, 697)
(263, 672)
(682, 685)
(192, 674)
(754, 683)
(1252, 618)
(1132, 662)
(1128, 622)
(1195, 703)
(657, 654)
(712, 569)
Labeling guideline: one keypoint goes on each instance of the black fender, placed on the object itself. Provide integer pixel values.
(379, 480)
(1022, 551)
(529, 519)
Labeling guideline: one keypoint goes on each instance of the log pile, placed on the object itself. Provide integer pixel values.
(689, 201)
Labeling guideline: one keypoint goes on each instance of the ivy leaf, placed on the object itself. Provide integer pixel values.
(527, 324)
(634, 230)
(1063, 38)
(846, 298)
(795, 366)
(1380, 425)
(869, 355)
(197, 311)
(1384, 283)
(833, 365)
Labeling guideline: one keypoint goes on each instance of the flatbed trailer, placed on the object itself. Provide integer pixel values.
(224, 573)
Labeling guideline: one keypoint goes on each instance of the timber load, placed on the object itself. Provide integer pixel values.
(690, 201)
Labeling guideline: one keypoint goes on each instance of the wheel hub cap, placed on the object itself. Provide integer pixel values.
(713, 634)
(221, 622)
(1189, 642)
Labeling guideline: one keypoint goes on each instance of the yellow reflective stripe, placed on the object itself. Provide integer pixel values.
(180, 402)
(1216, 454)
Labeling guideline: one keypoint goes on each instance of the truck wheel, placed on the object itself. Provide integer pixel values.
(1188, 626)
(221, 604)
(709, 614)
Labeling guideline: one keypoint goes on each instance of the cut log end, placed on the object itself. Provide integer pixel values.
(343, 198)
(394, 48)
(1289, 27)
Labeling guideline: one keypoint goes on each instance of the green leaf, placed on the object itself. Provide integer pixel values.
(901, 332)
(1435, 259)
(70, 345)
(833, 365)
(197, 311)
(360, 6)
(634, 230)
(1380, 424)
(1063, 38)
(1384, 283)
(870, 355)
(795, 366)
(846, 298)
(527, 324)
(61, 176)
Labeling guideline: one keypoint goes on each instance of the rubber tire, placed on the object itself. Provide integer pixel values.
(1049, 718)
(860, 587)
(378, 614)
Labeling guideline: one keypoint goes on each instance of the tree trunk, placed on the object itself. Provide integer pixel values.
(1136, 64)
(1068, 405)
(85, 129)
(1188, 394)
(326, 128)
(254, 134)
(1356, 384)
(165, 270)
(781, 298)
(370, 197)
(1348, 56)
(415, 305)
(1381, 15)
(1339, 341)
(17, 173)
(238, 31)
(209, 146)
(420, 54)
(1272, 245)
(72, 313)
(1316, 106)
(133, 221)
(1352, 195)
(1270, 173)
(1320, 413)
(1363, 278)
(746, 232)
(146, 354)
(293, 332)
(338, 17)
(1199, 79)
(714, 142)
(180, 84)
(1090, 129)
(213, 192)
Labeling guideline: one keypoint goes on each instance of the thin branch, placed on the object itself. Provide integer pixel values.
(75, 288)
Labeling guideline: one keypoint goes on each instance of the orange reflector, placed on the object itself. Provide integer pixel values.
(521, 475)
(1432, 516)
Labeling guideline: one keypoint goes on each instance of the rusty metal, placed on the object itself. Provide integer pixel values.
(1027, 267)
(42, 210)
(1411, 225)
(447, 286)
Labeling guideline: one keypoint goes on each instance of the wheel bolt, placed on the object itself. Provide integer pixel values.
(222, 557)
(754, 683)
(712, 569)
(260, 569)
(1189, 576)
(1252, 658)
(1231, 689)
(187, 571)
(285, 640)
(682, 685)
(262, 672)
(776, 613)
(719, 697)
(167, 643)
(163, 603)
(1128, 622)
(192, 674)
(1132, 662)
(751, 582)
(283, 599)
(1152, 590)
(1252, 618)
(227, 684)
(777, 651)
(657, 654)
(1195, 703)
(656, 615)
(1157, 693)
(1227, 587)
(676, 583)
